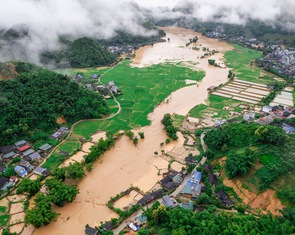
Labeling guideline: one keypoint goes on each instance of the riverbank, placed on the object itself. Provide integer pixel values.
(125, 164)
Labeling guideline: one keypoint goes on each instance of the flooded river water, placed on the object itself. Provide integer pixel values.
(125, 164)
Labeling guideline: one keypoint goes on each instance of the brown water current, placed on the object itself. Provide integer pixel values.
(125, 165)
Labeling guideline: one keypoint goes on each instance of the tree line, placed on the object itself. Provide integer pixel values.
(32, 102)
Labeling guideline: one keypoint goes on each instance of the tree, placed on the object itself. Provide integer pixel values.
(135, 141)
(75, 171)
(141, 135)
(238, 165)
(129, 134)
(30, 186)
(42, 213)
(61, 192)
(59, 173)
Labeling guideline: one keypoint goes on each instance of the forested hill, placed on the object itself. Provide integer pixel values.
(89, 52)
(32, 102)
(81, 53)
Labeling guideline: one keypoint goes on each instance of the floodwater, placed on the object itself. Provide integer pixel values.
(96, 137)
(125, 165)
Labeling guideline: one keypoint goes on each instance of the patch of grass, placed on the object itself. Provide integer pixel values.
(2, 209)
(216, 104)
(4, 220)
(178, 120)
(241, 60)
(70, 146)
(87, 72)
(54, 161)
(267, 159)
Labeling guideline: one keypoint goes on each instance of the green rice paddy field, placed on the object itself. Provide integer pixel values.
(143, 89)
(239, 60)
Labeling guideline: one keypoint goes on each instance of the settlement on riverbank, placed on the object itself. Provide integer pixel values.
(125, 164)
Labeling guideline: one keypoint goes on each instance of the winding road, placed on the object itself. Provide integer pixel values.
(83, 120)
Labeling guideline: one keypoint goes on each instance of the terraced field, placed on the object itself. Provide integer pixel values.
(245, 91)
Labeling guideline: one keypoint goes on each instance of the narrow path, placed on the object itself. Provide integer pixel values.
(98, 119)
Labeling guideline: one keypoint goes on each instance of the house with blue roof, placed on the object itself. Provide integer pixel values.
(21, 171)
(192, 188)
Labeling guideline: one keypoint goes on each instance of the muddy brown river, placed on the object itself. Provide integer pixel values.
(125, 164)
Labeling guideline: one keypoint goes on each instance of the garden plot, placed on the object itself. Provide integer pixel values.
(285, 98)
(243, 91)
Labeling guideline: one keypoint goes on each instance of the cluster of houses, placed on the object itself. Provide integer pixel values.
(57, 135)
(110, 88)
(248, 42)
(277, 112)
(118, 50)
(30, 158)
(281, 60)
(92, 83)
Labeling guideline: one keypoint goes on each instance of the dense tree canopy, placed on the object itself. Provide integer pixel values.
(61, 192)
(35, 99)
(42, 213)
(86, 52)
(185, 222)
(30, 186)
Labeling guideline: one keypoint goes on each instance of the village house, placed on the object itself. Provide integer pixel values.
(26, 165)
(35, 156)
(3, 182)
(12, 181)
(20, 171)
(41, 171)
(20, 143)
(140, 220)
(266, 109)
(57, 135)
(171, 180)
(28, 152)
(108, 226)
(64, 129)
(265, 120)
(212, 178)
(190, 160)
(249, 116)
(226, 200)
(24, 148)
(6, 149)
(44, 149)
(150, 197)
(288, 129)
(8, 156)
(91, 231)
(169, 201)
(192, 188)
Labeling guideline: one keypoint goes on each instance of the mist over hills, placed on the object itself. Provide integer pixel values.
(30, 27)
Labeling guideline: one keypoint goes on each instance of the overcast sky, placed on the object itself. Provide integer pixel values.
(48, 19)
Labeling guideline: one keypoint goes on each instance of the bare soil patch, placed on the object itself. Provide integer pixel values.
(61, 120)
(17, 218)
(16, 208)
(266, 201)
(18, 228)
